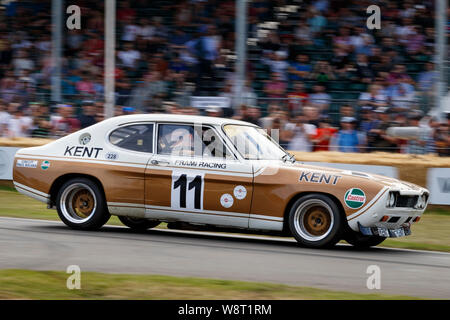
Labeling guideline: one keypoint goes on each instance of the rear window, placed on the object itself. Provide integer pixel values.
(137, 137)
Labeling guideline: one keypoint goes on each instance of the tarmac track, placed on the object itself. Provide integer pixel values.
(50, 245)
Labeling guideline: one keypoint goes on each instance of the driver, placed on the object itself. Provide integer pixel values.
(181, 142)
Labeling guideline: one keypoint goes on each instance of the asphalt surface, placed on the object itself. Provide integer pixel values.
(50, 245)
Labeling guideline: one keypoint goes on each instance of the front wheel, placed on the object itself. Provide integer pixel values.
(315, 221)
(138, 223)
(81, 204)
(361, 241)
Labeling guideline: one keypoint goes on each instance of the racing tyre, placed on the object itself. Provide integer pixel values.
(361, 241)
(138, 223)
(315, 221)
(81, 204)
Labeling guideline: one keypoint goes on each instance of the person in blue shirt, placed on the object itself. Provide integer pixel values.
(347, 139)
(300, 69)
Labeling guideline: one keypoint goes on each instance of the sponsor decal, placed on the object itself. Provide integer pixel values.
(112, 156)
(200, 164)
(82, 152)
(355, 198)
(26, 163)
(316, 177)
(240, 192)
(226, 200)
(85, 138)
(45, 165)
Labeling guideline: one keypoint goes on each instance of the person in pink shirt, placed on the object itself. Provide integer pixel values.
(85, 86)
(276, 87)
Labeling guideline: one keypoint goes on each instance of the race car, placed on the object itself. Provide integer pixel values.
(211, 172)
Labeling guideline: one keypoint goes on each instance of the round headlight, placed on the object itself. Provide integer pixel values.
(391, 200)
(424, 200)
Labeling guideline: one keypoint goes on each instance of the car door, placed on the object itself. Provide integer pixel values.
(194, 177)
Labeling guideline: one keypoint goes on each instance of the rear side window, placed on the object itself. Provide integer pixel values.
(137, 137)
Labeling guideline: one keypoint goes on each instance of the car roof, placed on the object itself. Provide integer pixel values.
(176, 118)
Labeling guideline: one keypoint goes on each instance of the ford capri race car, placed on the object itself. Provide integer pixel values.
(214, 173)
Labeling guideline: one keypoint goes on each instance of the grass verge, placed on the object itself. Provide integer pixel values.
(430, 233)
(43, 285)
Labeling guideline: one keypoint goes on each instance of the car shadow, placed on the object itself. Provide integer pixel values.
(106, 231)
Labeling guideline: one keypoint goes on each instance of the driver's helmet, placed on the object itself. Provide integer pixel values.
(181, 140)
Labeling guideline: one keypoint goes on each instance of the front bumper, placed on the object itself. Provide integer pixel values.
(385, 232)
(378, 219)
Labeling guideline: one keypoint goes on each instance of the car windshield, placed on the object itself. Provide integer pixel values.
(254, 143)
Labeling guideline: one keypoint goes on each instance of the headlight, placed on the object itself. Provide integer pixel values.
(391, 200)
(421, 201)
(424, 200)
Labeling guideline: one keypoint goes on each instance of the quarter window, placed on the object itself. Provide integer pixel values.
(137, 137)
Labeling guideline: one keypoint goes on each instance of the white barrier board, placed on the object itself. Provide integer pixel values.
(438, 182)
(6, 162)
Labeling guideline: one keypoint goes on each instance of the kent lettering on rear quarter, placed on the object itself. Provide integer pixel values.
(317, 177)
(82, 152)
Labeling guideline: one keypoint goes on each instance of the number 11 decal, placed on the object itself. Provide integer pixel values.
(187, 190)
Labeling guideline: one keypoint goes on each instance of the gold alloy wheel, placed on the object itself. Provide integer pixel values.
(83, 203)
(78, 203)
(317, 220)
(313, 220)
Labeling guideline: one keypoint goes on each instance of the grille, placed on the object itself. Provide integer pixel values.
(406, 201)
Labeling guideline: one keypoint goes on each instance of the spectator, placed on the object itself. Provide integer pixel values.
(377, 138)
(300, 69)
(424, 142)
(297, 98)
(65, 122)
(427, 78)
(41, 127)
(319, 99)
(128, 56)
(87, 117)
(302, 135)
(252, 115)
(373, 99)
(324, 134)
(347, 139)
(128, 111)
(277, 63)
(278, 132)
(4, 118)
(276, 87)
(323, 72)
(18, 124)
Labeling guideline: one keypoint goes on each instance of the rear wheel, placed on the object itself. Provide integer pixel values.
(81, 204)
(138, 223)
(361, 241)
(315, 221)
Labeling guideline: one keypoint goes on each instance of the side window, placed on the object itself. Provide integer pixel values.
(190, 140)
(137, 137)
(213, 146)
(176, 139)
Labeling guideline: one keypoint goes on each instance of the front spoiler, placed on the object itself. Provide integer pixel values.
(385, 232)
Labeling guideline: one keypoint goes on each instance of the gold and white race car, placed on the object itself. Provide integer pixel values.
(210, 172)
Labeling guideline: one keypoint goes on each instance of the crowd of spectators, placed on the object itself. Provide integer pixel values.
(315, 71)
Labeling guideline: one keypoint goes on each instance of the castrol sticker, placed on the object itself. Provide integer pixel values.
(355, 198)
